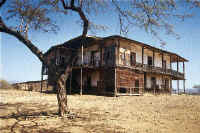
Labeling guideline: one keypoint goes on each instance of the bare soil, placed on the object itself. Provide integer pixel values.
(24, 112)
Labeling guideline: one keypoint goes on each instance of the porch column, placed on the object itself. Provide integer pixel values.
(153, 58)
(170, 61)
(115, 93)
(184, 76)
(101, 56)
(178, 71)
(142, 55)
(162, 60)
(117, 52)
(171, 86)
(81, 89)
(41, 85)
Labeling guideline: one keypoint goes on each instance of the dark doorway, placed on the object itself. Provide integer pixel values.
(133, 58)
(166, 84)
(153, 82)
(150, 61)
(137, 85)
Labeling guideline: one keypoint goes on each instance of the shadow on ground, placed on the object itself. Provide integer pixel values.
(25, 118)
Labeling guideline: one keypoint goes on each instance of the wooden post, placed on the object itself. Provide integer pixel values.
(178, 71)
(142, 55)
(184, 76)
(117, 53)
(170, 62)
(101, 56)
(153, 58)
(115, 93)
(145, 81)
(171, 85)
(162, 61)
(41, 77)
(81, 91)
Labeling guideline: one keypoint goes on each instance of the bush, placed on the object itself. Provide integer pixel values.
(5, 85)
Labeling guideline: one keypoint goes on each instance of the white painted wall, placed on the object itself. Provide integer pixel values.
(147, 52)
(138, 50)
(158, 80)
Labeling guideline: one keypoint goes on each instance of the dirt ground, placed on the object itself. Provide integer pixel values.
(24, 112)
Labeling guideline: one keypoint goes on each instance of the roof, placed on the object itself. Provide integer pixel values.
(76, 43)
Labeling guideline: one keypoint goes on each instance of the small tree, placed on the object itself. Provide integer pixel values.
(5, 85)
(150, 15)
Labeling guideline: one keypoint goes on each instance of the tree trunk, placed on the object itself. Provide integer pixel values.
(61, 88)
(61, 94)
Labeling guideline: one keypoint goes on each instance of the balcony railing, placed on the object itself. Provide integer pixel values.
(154, 69)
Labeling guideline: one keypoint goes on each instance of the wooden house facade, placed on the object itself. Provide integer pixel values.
(116, 65)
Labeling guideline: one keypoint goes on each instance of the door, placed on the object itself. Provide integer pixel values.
(150, 61)
(153, 82)
(137, 85)
(133, 58)
(166, 84)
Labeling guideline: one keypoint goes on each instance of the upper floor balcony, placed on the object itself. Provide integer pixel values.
(154, 69)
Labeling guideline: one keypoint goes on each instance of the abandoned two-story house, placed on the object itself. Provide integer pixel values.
(117, 65)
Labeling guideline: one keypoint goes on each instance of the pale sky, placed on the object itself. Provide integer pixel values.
(19, 64)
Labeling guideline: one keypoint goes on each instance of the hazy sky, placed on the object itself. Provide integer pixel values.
(19, 64)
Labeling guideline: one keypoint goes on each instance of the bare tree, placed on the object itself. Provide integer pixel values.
(150, 15)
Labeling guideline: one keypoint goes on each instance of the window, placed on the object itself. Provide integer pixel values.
(109, 55)
(60, 60)
(124, 57)
(164, 64)
(95, 58)
(150, 61)
(45, 70)
(133, 58)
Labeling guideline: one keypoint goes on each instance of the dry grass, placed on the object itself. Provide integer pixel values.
(22, 111)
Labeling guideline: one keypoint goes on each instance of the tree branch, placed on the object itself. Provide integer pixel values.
(81, 14)
(28, 43)
(2, 2)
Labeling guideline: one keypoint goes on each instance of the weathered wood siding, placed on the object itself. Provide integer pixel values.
(126, 78)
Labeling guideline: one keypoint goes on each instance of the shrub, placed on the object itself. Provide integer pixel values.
(5, 85)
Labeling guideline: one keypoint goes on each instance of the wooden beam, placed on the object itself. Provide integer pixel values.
(115, 93)
(184, 76)
(162, 61)
(118, 46)
(171, 85)
(101, 56)
(142, 55)
(81, 89)
(170, 62)
(153, 58)
(41, 77)
(177, 64)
